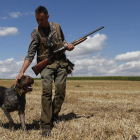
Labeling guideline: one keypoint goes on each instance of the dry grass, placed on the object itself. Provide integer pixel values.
(93, 110)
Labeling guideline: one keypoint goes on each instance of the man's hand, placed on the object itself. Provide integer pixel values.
(70, 47)
(18, 77)
(24, 67)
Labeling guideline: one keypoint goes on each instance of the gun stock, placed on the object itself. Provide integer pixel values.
(41, 65)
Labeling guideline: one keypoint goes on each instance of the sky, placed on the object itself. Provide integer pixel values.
(112, 51)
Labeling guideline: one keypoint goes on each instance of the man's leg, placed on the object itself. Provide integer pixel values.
(46, 111)
(60, 88)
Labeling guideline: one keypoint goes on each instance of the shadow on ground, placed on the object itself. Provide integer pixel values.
(71, 116)
(36, 123)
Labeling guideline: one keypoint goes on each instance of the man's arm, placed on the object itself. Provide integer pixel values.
(30, 55)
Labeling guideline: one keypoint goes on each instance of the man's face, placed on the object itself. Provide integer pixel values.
(42, 19)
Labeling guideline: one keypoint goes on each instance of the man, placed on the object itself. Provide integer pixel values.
(46, 38)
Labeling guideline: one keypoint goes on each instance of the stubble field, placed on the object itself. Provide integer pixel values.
(92, 110)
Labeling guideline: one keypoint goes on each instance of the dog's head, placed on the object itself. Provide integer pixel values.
(24, 84)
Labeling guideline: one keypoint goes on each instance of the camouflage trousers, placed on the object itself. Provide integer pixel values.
(51, 108)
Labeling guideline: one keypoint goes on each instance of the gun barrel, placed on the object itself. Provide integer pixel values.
(89, 34)
(94, 31)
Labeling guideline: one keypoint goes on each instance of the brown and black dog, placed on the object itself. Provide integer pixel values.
(12, 99)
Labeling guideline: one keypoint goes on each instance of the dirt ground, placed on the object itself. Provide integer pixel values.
(92, 110)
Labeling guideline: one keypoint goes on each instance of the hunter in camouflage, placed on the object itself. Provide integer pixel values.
(45, 39)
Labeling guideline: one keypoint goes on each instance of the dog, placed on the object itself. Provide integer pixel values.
(13, 99)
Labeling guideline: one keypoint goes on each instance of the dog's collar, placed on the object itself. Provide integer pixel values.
(17, 91)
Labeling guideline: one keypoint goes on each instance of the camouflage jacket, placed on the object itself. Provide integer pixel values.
(36, 41)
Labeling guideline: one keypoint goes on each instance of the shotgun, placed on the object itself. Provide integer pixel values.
(41, 65)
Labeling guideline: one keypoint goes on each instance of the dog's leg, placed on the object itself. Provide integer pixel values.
(22, 119)
(7, 113)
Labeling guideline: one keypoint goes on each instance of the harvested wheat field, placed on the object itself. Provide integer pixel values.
(93, 110)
